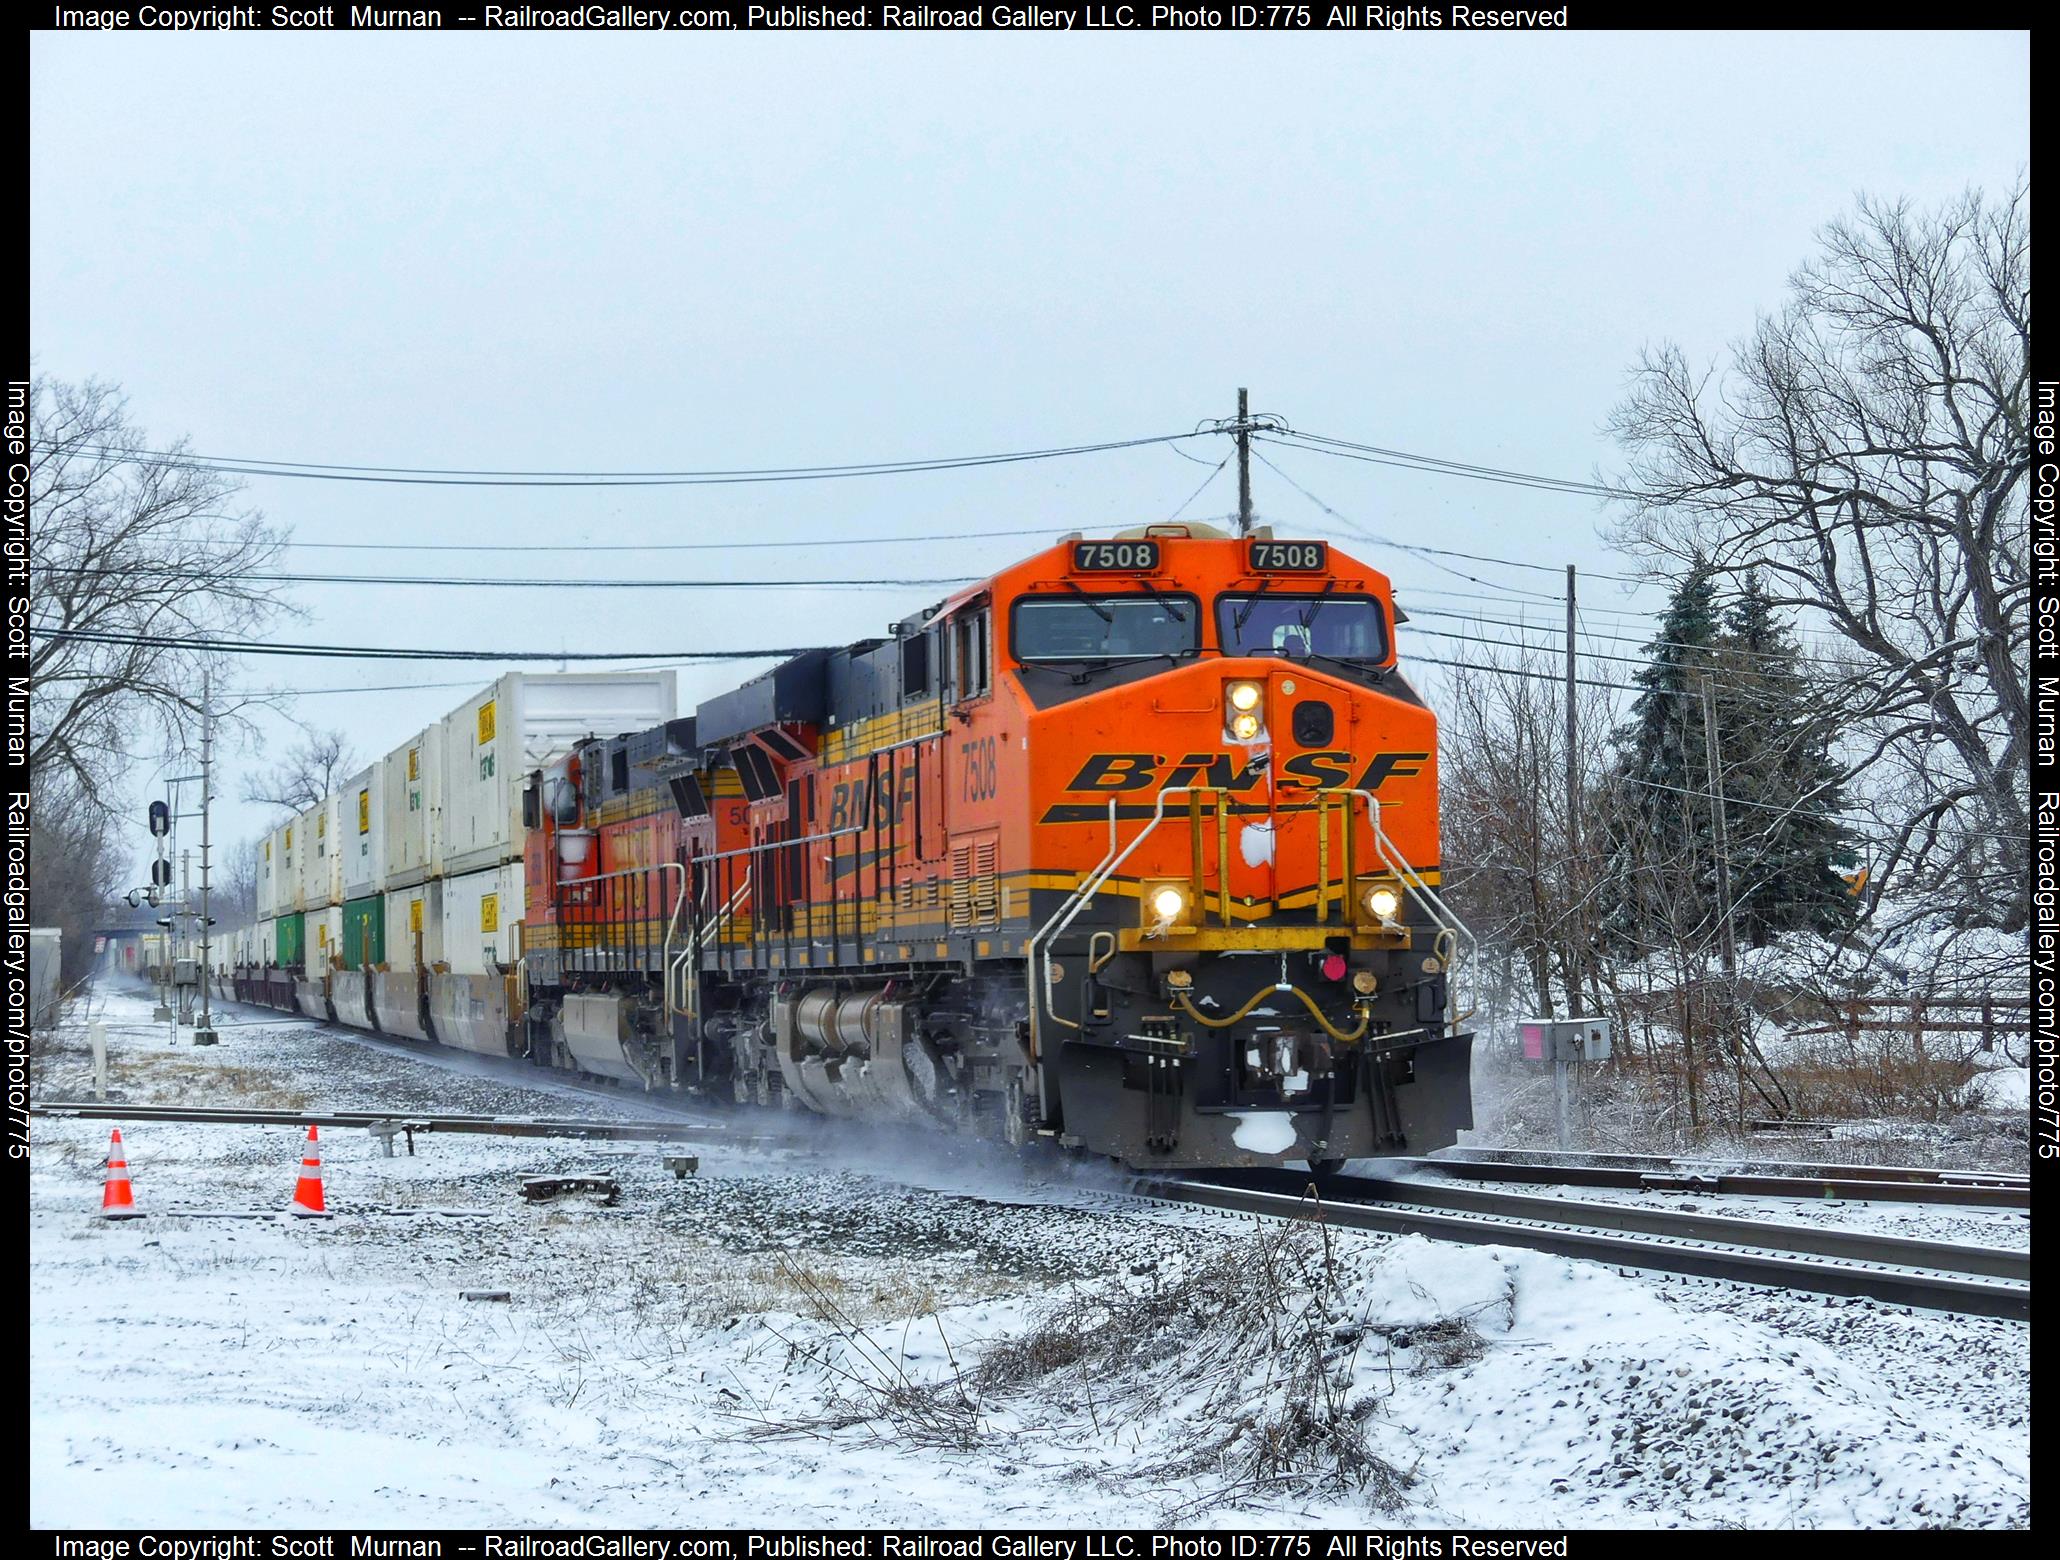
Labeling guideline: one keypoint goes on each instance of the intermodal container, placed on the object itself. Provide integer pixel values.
(411, 794)
(289, 947)
(414, 926)
(364, 932)
(494, 739)
(481, 911)
(361, 817)
(320, 874)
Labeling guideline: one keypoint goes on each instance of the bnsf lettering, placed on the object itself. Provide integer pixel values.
(1106, 772)
(1115, 772)
(1214, 771)
(1325, 771)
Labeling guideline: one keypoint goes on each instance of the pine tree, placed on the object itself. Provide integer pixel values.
(1661, 863)
(1781, 792)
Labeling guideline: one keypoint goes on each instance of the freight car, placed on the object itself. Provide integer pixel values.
(1133, 845)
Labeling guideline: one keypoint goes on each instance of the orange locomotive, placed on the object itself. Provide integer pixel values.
(1134, 844)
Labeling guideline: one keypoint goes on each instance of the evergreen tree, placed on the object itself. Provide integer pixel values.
(1781, 800)
(1661, 864)
(1781, 792)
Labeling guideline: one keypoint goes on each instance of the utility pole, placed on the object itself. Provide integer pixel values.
(1573, 813)
(1720, 841)
(1576, 965)
(204, 1031)
(1244, 465)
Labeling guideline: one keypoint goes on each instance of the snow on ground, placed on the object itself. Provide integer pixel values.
(897, 1332)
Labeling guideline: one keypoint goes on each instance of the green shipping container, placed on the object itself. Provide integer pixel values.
(364, 932)
(292, 943)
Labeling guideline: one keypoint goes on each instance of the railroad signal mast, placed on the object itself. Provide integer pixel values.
(1241, 428)
(162, 819)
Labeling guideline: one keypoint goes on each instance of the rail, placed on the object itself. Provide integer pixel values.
(1838, 1183)
(1291, 1196)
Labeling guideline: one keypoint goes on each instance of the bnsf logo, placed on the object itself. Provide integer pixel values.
(1106, 772)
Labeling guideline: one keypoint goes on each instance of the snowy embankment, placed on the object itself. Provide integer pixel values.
(900, 1333)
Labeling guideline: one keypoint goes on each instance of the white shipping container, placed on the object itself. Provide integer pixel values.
(416, 908)
(265, 943)
(411, 786)
(324, 934)
(289, 892)
(495, 738)
(363, 822)
(480, 913)
(267, 882)
(315, 844)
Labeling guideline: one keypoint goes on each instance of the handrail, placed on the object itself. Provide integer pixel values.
(558, 895)
(1089, 887)
(1440, 913)
(694, 943)
(1435, 908)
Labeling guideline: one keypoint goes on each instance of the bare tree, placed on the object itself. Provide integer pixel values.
(140, 565)
(75, 865)
(314, 769)
(1867, 451)
(234, 890)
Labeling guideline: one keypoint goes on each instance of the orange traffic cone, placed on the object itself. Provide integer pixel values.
(117, 1201)
(307, 1195)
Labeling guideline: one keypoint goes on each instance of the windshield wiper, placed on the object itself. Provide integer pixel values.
(1164, 601)
(1092, 605)
(1245, 611)
(1317, 605)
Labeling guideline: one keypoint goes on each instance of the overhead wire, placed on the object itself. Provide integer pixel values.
(434, 476)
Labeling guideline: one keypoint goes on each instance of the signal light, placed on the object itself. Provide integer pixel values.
(160, 818)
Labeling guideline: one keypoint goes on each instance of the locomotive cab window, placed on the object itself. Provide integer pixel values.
(969, 636)
(1302, 624)
(1081, 627)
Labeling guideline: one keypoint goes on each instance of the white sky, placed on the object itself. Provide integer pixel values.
(603, 252)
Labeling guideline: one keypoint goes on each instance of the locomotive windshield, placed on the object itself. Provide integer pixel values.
(1342, 628)
(1105, 628)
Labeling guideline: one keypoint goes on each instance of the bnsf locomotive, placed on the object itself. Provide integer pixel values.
(1133, 845)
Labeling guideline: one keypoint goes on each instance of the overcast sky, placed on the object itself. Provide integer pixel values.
(603, 252)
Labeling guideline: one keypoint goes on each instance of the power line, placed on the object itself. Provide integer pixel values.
(396, 653)
(532, 583)
(433, 476)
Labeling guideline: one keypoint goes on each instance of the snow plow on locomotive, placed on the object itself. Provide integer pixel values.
(1133, 845)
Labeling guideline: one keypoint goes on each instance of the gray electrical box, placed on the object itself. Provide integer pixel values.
(1565, 1039)
(185, 972)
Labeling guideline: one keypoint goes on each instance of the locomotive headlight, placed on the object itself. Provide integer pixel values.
(1244, 719)
(1381, 901)
(1168, 902)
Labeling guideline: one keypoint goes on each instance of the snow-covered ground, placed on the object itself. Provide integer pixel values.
(898, 1332)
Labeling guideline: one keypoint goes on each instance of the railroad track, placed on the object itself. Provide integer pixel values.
(1655, 1173)
(402, 1121)
(1932, 1275)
